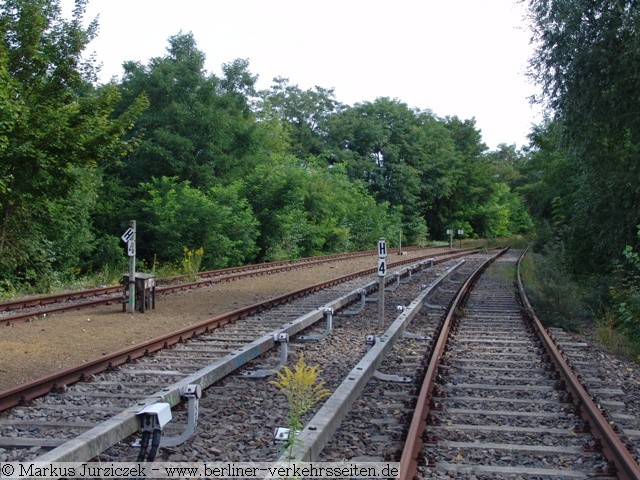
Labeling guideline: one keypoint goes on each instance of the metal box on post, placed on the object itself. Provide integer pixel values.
(145, 291)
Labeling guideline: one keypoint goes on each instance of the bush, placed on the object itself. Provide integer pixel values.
(555, 296)
(626, 296)
(109, 254)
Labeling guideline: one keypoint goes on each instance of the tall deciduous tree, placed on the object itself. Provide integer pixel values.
(586, 59)
(551, 180)
(56, 128)
(198, 127)
(434, 170)
(379, 144)
(304, 113)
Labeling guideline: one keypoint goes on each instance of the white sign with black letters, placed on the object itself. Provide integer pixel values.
(126, 236)
(382, 248)
(382, 267)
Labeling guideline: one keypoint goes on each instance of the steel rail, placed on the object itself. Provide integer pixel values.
(208, 278)
(97, 291)
(31, 390)
(57, 298)
(626, 468)
(94, 441)
(413, 443)
(316, 434)
(612, 447)
(222, 272)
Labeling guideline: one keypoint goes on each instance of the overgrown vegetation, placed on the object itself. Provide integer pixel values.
(562, 302)
(203, 160)
(581, 172)
(191, 262)
(555, 296)
(624, 318)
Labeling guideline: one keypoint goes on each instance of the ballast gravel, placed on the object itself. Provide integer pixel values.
(48, 344)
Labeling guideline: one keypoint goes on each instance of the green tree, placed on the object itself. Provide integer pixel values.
(435, 171)
(586, 57)
(304, 114)
(466, 136)
(275, 191)
(507, 161)
(174, 216)
(551, 178)
(305, 210)
(198, 127)
(378, 143)
(56, 128)
(626, 294)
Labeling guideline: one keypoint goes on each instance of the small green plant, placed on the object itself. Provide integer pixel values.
(608, 332)
(191, 262)
(303, 390)
(605, 331)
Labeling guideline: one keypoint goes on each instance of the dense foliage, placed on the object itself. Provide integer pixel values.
(206, 163)
(56, 131)
(583, 169)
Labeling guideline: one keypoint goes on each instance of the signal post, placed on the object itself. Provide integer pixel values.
(382, 271)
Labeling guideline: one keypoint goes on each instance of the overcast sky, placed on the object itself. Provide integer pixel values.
(453, 57)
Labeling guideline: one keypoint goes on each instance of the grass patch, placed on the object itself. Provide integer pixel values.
(614, 340)
(559, 301)
(556, 298)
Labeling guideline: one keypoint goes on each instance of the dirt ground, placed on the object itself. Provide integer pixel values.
(47, 344)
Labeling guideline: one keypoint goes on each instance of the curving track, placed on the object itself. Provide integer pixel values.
(481, 422)
(498, 400)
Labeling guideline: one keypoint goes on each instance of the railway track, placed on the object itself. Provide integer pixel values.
(481, 421)
(24, 309)
(28, 391)
(103, 405)
(500, 402)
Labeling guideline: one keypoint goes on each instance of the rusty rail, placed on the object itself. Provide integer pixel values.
(54, 303)
(614, 450)
(31, 390)
(413, 444)
(626, 468)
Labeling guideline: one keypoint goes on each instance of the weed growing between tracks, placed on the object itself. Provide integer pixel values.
(303, 390)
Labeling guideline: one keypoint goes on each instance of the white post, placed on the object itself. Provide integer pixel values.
(382, 271)
(131, 251)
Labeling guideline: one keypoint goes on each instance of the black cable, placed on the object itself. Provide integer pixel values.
(144, 444)
(155, 444)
